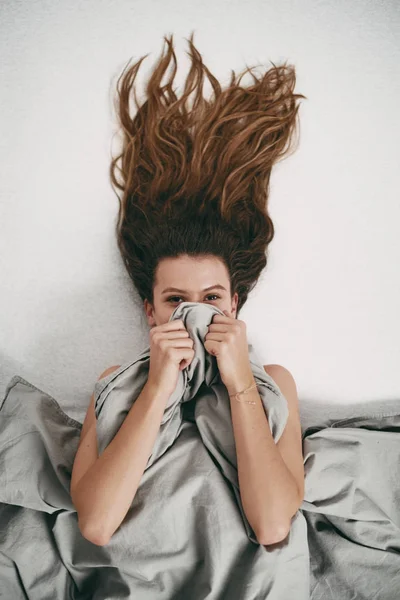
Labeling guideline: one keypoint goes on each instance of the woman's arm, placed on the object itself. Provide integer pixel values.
(103, 495)
(271, 494)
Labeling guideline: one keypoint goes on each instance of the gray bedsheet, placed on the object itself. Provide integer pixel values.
(185, 535)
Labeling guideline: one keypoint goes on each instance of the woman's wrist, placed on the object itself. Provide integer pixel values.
(240, 384)
(156, 393)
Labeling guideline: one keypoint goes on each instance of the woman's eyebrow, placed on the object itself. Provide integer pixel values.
(211, 287)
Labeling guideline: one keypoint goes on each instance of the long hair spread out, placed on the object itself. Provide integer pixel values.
(195, 179)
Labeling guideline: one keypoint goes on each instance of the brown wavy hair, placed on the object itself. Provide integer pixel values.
(195, 179)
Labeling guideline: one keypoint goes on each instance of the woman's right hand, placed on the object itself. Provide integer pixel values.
(171, 350)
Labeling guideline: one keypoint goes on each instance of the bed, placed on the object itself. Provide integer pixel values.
(326, 309)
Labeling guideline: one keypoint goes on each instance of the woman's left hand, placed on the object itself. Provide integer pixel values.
(227, 341)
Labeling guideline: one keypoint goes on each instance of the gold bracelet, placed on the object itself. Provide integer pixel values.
(244, 392)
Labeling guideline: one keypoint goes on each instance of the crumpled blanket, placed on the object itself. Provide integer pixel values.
(185, 535)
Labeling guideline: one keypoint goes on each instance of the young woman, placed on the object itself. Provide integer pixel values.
(194, 226)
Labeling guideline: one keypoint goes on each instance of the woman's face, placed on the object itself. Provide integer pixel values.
(191, 276)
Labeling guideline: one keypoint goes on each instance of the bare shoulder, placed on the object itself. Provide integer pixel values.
(286, 383)
(284, 380)
(109, 371)
(278, 371)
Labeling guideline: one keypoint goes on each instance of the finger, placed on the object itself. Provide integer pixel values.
(221, 319)
(218, 328)
(215, 336)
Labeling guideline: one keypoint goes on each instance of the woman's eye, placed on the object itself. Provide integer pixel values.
(209, 296)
